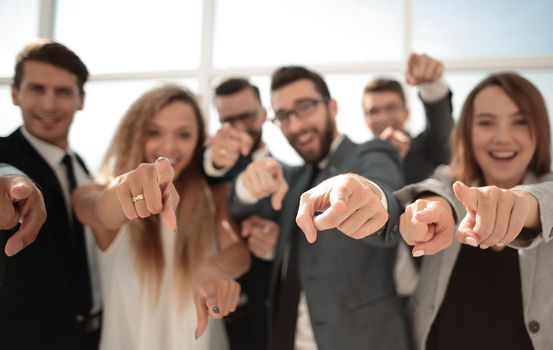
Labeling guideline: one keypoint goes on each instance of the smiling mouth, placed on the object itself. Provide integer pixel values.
(47, 120)
(305, 138)
(503, 155)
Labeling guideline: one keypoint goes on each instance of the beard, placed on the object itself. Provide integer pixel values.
(256, 138)
(325, 138)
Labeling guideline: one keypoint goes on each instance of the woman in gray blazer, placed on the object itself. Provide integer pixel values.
(493, 291)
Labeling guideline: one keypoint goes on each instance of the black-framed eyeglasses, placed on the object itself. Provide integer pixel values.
(241, 118)
(301, 110)
(388, 109)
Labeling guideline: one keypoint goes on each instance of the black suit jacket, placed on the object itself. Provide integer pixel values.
(36, 310)
(431, 147)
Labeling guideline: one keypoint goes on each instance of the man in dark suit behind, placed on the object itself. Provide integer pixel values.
(231, 149)
(46, 299)
(335, 293)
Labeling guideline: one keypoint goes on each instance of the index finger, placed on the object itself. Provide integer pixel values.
(201, 314)
(304, 218)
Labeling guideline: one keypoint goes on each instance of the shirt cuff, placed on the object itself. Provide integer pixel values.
(383, 199)
(433, 92)
(244, 196)
(270, 256)
(209, 168)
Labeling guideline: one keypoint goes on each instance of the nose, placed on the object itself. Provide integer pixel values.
(294, 123)
(503, 133)
(48, 101)
(168, 146)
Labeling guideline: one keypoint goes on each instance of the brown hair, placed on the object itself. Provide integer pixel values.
(233, 85)
(530, 102)
(289, 74)
(53, 53)
(385, 85)
(195, 216)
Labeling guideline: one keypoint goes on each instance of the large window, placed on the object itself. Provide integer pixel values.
(133, 45)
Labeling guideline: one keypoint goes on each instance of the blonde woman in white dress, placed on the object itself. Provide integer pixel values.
(166, 265)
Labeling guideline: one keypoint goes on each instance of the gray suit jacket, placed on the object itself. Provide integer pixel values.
(535, 259)
(348, 283)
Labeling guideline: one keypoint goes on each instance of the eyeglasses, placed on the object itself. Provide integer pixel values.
(241, 118)
(301, 110)
(388, 109)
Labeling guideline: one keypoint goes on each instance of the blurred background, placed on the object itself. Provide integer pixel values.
(130, 46)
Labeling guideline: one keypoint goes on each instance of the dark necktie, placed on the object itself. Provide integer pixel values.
(288, 299)
(80, 279)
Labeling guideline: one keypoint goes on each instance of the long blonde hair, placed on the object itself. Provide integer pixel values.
(196, 217)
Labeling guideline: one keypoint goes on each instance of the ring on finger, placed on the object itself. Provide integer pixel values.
(139, 197)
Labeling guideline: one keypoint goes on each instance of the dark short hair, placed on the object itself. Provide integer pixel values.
(233, 85)
(289, 74)
(53, 53)
(385, 85)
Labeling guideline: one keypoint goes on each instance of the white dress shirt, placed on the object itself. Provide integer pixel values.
(53, 155)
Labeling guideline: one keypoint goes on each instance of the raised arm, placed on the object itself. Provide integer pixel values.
(144, 191)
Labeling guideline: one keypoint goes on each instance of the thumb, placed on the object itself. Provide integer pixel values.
(466, 195)
(201, 314)
(164, 171)
(282, 186)
(246, 143)
(246, 227)
(168, 213)
(20, 190)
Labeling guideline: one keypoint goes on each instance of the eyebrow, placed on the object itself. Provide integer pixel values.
(490, 114)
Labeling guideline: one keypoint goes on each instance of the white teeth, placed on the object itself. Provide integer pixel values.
(503, 155)
(305, 138)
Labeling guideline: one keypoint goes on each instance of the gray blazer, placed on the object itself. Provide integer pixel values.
(535, 259)
(348, 283)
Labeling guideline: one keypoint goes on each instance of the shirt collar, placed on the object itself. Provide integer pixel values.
(333, 147)
(52, 154)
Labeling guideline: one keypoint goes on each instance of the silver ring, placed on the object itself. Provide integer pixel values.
(139, 197)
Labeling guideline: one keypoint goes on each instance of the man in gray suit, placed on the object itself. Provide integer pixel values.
(334, 293)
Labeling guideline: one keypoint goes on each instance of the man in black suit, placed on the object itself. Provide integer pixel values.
(231, 149)
(386, 113)
(50, 296)
(337, 293)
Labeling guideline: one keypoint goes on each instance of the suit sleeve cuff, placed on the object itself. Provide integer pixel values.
(242, 193)
(383, 199)
(432, 92)
(209, 168)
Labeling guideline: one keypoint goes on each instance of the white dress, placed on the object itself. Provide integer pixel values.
(132, 321)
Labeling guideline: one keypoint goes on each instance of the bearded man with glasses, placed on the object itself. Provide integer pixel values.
(337, 292)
